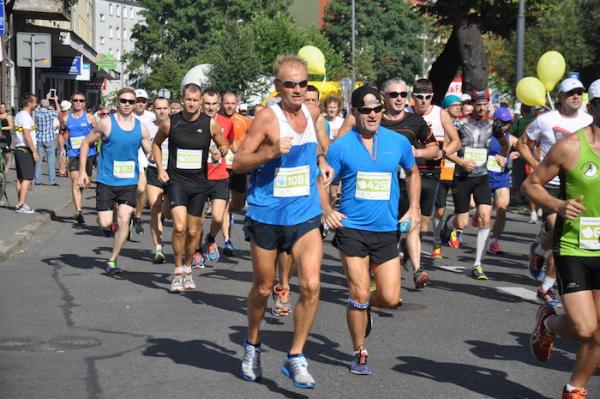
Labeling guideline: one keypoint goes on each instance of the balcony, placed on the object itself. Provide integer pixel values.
(59, 10)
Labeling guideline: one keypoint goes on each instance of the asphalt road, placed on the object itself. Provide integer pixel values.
(67, 330)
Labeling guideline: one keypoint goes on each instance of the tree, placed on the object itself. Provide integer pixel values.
(388, 29)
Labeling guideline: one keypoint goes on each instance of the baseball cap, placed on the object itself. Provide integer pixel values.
(594, 90)
(141, 93)
(570, 84)
(65, 105)
(465, 97)
(503, 114)
(449, 100)
(480, 95)
(243, 107)
(358, 95)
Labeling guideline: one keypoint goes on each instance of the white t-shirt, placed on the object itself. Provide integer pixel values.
(23, 120)
(147, 118)
(334, 126)
(550, 127)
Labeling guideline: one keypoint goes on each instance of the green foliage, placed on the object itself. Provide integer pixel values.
(389, 37)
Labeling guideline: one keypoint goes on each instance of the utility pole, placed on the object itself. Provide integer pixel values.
(121, 53)
(520, 39)
(353, 44)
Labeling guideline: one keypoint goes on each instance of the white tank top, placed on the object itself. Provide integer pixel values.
(434, 120)
(286, 130)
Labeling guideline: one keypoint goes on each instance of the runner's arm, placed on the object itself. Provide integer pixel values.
(348, 124)
(146, 143)
(323, 140)
(163, 132)
(451, 139)
(98, 132)
(217, 136)
(524, 146)
(91, 119)
(413, 188)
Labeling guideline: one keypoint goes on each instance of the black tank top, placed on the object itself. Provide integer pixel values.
(189, 142)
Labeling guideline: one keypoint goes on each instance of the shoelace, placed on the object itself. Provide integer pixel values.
(251, 357)
(362, 356)
(284, 295)
(299, 366)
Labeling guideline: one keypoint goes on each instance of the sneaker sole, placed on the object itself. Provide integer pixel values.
(287, 373)
(249, 379)
(360, 372)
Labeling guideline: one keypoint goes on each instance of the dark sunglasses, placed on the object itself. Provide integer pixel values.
(394, 94)
(141, 100)
(126, 101)
(101, 114)
(291, 84)
(367, 111)
(579, 92)
(422, 96)
(77, 100)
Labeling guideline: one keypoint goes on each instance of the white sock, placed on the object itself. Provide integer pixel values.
(570, 388)
(482, 236)
(158, 248)
(548, 283)
(437, 227)
(540, 251)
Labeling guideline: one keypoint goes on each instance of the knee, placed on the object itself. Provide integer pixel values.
(178, 228)
(310, 287)
(104, 223)
(358, 296)
(390, 301)
(263, 288)
(484, 220)
(587, 330)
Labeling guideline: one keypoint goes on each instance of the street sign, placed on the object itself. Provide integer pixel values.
(164, 93)
(42, 49)
(2, 19)
(106, 62)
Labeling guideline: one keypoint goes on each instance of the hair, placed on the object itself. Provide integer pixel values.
(314, 90)
(192, 87)
(230, 93)
(332, 99)
(160, 99)
(393, 81)
(288, 60)
(422, 84)
(28, 98)
(78, 93)
(125, 90)
(211, 92)
(175, 102)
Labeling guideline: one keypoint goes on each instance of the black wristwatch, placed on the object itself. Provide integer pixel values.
(443, 153)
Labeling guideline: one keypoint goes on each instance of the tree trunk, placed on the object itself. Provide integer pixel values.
(444, 68)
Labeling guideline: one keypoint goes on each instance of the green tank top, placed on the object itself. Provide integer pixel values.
(581, 237)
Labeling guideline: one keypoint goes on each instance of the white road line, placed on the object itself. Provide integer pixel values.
(453, 269)
(520, 292)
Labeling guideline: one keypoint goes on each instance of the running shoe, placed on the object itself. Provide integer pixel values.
(136, 223)
(188, 282)
(536, 262)
(282, 301)
(541, 341)
(107, 233)
(212, 251)
(159, 257)
(437, 251)
(533, 217)
(79, 218)
(228, 248)
(549, 297)
(177, 284)
(359, 362)
(296, 368)
(24, 208)
(454, 241)
(251, 369)
(198, 260)
(208, 210)
(495, 249)
(540, 212)
(112, 268)
(474, 221)
(421, 278)
(369, 322)
(478, 274)
(577, 393)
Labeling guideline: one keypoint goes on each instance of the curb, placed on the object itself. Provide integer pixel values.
(10, 247)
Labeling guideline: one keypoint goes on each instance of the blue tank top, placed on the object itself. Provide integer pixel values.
(78, 128)
(118, 161)
(284, 191)
(498, 179)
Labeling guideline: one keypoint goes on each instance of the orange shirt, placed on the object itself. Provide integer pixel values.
(219, 172)
(241, 125)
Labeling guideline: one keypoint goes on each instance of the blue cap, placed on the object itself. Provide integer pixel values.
(449, 100)
(503, 114)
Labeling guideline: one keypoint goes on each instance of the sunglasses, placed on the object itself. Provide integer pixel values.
(101, 114)
(141, 100)
(394, 94)
(367, 111)
(78, 100)
(423, 96)
(571, 93)
(126, 101)
(291, 84)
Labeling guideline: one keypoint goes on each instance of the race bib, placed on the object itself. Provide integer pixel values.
(292, 182)
(589, 233)
(492, 164)
(124, 169)
(76, 142)
(446, 163)
(229, 159)
(189, 159)
(373, 185)
(477, 155)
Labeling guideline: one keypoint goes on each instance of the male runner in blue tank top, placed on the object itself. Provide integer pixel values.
(284, 214)
(77, 124)
(118, 172)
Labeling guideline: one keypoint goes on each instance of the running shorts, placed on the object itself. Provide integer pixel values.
(89, 164)
(429, 188)
(218, 189)
(478, 186)
(378, 246)
(277, 237)
(107, 196)
(577, 273)
(192, 198)
(24, 163)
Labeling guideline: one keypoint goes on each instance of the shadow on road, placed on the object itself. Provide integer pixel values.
(480, 291)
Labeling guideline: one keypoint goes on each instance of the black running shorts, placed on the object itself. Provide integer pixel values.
(379, 246)
(277, 237)
(478, 186)
(238, 182)
(24, 163)
(577, 273)
(152, 178)
(442, 194)
(429, 188)
(218, 189)
(108, 196)
(192, 198)
(89, 164)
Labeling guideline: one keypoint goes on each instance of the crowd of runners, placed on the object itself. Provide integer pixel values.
(378, 177)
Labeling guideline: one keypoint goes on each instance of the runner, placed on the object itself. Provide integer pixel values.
(334, 121)
(175, 107)
(576, 247)
(189, 133)
(284, 212)
(118, 169)
(367, 160)
(25, 152)
(76, 125)
(156, 191)
(547, 129)
(471, 176)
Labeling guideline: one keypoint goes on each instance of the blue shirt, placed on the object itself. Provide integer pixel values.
(78, 128)
(118, 163)
(370, 188)
(44, 120)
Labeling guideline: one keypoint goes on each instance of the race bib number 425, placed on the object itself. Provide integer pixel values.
(373, 185)
(292, 182)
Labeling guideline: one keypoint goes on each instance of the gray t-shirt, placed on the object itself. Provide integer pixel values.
(475, 137)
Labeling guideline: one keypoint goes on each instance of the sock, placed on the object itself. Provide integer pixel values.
(254, 345)
(570, 388)
(289, 356)
(493, 240)
(459, 234)
(437, 227)
(482, 236)
(158, 248)
(540, 251)
(548, 283)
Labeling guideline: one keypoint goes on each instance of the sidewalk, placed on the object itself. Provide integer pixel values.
(16, 228)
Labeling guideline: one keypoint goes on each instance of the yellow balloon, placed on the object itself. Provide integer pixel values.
(551, 68)
(314, 58)
(531, 91)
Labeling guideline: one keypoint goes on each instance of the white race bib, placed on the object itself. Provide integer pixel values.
(373, 185)
(189, 159)
(292, 182)
(124, 169)
(229, 158)
(477, 155)
(76, 142)
(492, 164)
(589, 233)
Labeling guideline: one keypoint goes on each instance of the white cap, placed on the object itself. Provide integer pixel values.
(141, 93)
(570, 84)
(594, 90)
(465, 97)
(243, 107)
(65, 105)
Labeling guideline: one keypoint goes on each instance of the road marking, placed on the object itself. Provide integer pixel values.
(453, 269)
(520, 292)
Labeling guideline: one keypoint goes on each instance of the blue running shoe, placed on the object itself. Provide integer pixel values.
(228, 248)
(296, 368)
(359, 362)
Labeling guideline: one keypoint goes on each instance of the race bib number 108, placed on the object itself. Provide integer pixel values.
(292, 182)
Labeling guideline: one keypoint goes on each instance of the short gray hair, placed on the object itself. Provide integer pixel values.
(392, 81)
(45, 103)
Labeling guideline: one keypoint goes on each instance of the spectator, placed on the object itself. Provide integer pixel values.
(44, 120)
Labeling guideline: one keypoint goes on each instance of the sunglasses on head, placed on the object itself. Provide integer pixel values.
(579, 92)
(291, 84)
(126, 101)
(367, 111)
(78, 100)
(394, 94)
(423, 96)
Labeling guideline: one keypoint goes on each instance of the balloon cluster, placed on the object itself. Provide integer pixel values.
(550, 69)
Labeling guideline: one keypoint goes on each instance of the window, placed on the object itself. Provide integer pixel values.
(110, 33)
(102, 40)
(125, 33)
(131, 12)
(118, 54)
(118, 11)
(118, 36)
(110, 10)
(102, 17)
(110, 50)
